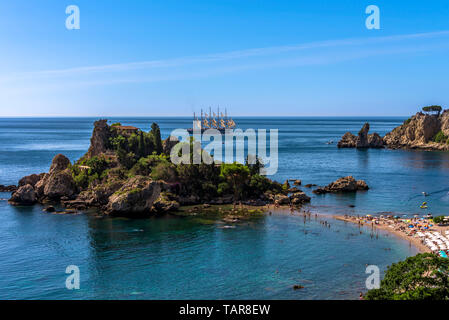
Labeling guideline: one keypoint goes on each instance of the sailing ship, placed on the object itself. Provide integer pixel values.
(212, 120)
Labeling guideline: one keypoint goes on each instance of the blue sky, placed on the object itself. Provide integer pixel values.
(299, 58)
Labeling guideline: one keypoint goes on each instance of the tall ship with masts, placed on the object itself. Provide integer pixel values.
(212, 120)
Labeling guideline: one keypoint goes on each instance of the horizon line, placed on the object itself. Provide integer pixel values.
(187, 116)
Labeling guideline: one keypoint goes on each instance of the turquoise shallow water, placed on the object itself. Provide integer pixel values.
(185, 258)
(174, 258)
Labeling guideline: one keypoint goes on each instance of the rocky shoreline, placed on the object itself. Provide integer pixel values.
(423, 131)
(127, 172)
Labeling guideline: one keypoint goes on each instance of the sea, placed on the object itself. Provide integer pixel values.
(200, 257)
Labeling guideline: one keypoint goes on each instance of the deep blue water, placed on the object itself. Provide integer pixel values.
(175, 258)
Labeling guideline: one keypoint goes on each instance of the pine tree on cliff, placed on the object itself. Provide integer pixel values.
(433, 109)
(156, 132)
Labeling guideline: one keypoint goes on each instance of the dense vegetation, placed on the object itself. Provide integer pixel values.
(130, 149)
(422, 277)
(440, 137)
(141, 154)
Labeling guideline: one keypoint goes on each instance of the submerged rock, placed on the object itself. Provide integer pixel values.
(50, 209)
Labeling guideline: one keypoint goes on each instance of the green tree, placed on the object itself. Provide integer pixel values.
(156, 132)
(236, 174)
(424, 276)
(164, 171)
(440, 137)
(432, 109)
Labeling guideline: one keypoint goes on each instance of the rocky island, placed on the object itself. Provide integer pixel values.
(426, 130)
(128, 172)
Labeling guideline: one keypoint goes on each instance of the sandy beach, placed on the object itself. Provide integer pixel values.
(388, 225)
(416, 242)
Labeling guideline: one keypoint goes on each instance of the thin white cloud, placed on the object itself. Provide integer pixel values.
(218, 57)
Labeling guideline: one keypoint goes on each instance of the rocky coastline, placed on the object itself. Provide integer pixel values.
(127, 172)
(423, 131)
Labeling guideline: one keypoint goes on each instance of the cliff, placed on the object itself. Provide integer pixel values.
(421, 131)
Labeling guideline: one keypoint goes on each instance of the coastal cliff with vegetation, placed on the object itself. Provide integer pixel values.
(426, 130)
(128, 172)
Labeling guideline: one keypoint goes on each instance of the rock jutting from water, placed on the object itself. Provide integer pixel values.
(362, 140)
(10, 188)
(128, 172)
(344, 184)
(422, 131)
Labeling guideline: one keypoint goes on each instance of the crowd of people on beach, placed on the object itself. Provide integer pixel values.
(434, 237)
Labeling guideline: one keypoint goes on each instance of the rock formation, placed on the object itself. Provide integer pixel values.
(10, 188)
(31, 179)
(135, 198)
(345, 184)
(99, 142)
(421, 131)
(362, 140)
(50, 186)
(25, 195)
(299, 198)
